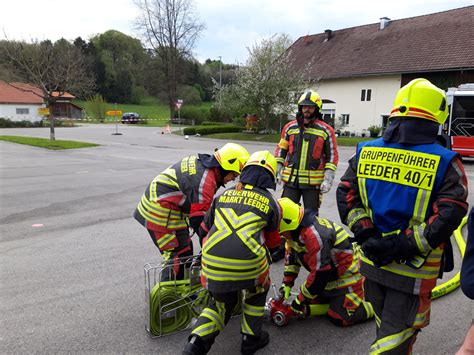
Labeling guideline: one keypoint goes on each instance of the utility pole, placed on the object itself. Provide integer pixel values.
(220, 80)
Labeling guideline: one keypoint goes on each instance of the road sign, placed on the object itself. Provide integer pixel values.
(43, 111)
(179, 103)
(114, 113)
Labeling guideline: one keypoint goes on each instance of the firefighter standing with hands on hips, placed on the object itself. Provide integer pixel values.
(183, 190)
(238, 228)
(334, 285)
(307, 156)
(402, 196)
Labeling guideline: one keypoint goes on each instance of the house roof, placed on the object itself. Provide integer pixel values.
(434, 42)
(19, 93)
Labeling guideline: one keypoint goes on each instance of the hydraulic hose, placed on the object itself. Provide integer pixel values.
(169, 308)
(454, 282)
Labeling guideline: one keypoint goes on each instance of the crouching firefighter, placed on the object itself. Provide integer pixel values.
(182, 193)
(334, 285)
(239, 227)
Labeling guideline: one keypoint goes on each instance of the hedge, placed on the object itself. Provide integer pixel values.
(212, 123)
(203, 130)
(6, 123)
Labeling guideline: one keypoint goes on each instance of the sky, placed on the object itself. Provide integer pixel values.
(232, 26)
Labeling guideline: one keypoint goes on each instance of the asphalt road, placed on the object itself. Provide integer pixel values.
(72, 257)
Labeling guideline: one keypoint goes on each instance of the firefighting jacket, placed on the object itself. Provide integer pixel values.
(306, 153)
(183, 190)
(324, 249)
(240, 225)
(418, 191)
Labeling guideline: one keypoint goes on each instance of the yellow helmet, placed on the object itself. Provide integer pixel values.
(265, 159)
(291, 214)
(311, 98)
(232, 157)
(420, 98)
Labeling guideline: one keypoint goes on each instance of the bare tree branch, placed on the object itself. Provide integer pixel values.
(171, 28)
(52, 68)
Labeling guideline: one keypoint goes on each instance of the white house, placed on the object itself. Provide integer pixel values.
(357, 71)
(20, 102)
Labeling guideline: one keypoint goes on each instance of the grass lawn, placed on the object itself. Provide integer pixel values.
(46, 143)
(275, 138)
(154, 112)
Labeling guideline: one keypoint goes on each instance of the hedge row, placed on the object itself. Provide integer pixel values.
(203, 130)
(212, 123)
(6, 123)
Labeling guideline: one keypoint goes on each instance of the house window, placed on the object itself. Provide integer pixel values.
(365, 95)
(22, 111)
(345, 119)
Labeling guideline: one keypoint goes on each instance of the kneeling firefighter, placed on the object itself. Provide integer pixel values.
(334, 285)
(238, 228)
(183, 193)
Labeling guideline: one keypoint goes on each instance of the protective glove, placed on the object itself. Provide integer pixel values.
(383, 251)
(363, 235)
(284, 291)
(278, 172)
(297, 306)
(328, 180)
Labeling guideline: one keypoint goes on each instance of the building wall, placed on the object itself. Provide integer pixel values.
(346, 93)
(10, 111)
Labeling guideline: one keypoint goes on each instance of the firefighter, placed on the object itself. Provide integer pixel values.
(334, 285)
(183, 193)
(307, 156)
(402, 196)
(239, 227)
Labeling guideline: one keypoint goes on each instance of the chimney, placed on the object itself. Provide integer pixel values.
(327, 35)
(384, 22)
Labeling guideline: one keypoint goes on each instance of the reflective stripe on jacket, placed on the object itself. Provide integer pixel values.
(306, 154)
(183, 190)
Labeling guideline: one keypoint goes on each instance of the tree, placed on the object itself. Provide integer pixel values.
(266, 83)
(123, 61)
(54, 68)
(171, 28)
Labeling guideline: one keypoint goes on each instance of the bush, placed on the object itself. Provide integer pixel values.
(203, 130)
(6, 123)
(196, 113)
(210, 123)
(374, 131)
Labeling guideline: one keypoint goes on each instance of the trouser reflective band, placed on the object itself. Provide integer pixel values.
(253, 311)
(392, 341)
(211, 321)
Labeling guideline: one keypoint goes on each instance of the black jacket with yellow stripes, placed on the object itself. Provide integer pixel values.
(240, 225)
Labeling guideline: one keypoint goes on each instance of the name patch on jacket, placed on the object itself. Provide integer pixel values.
(400, 166)
(245, 197)
(188, 164)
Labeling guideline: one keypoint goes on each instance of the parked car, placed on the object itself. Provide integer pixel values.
(130, 117)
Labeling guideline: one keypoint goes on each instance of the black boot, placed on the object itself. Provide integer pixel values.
(250, 343)
(195, 346)
(278, 254)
